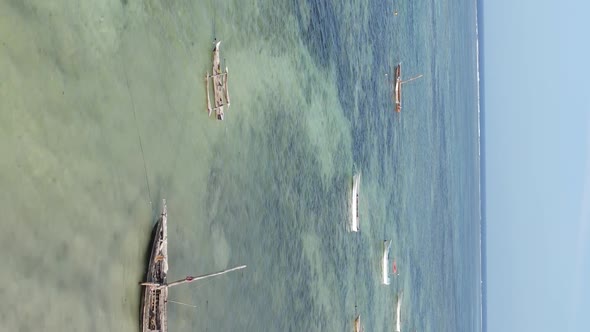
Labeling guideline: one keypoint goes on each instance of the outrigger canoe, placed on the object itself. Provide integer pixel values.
(220, 86)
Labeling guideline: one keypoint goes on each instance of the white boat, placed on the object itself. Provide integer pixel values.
(397, 91)
(385, 262)
(354, 203)
(357, 324)
(398, 311)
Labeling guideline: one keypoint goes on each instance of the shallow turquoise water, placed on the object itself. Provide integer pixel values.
(86, 87)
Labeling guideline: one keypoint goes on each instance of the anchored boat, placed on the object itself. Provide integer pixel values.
(397, 89)
(398, 312)
(354, 204)
(155, 294)
(385, 262)
(220, 86)
(154, 304)
(357, 324)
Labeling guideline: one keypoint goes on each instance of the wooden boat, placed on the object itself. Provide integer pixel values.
(357, 324)
(220, 86)
(153, 313)
(398, 312)
(385, 262)
(354, 204)
(155, 294)
(397, 89)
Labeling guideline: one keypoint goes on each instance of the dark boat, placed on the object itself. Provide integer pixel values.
(155, 299)
(155, 294)
(397, 88)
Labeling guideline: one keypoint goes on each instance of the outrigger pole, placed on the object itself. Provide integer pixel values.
(226, 87)
(186, 304)
(411, 79)
(190, 279)
(223, 76)
(208, 99)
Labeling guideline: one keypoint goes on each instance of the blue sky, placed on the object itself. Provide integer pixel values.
(537, 104)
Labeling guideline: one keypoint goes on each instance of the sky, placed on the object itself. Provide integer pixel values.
(537, 108)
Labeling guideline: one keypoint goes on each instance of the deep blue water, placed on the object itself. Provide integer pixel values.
(426, 159)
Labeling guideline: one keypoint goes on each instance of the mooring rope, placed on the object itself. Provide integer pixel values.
(138, 135)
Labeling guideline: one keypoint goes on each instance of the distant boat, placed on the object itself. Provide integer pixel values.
(398, 312)
(357, 324)
(385, 262)
(354, 204)
(397, 89)
(155, 295)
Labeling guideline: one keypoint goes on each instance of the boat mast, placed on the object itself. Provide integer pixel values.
(190, 279)
(411, 79)
(186, 304)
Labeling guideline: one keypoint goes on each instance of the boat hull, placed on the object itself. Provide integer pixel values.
(155, 299)
(398, 87)
(385, 263)
(398, 313)
(354, 204)
(357, 324)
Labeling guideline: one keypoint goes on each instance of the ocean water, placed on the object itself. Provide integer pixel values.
(102, 114)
